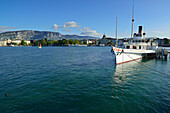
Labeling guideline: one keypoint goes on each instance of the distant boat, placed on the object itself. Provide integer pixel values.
(39, 46)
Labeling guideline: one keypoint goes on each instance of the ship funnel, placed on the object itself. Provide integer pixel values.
(140, 30)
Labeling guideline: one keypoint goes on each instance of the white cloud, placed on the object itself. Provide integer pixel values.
(5, 28)
(84, 31)
(55, 27)
(70, 24)
(87, 31)
(157, 32)
(67, 30)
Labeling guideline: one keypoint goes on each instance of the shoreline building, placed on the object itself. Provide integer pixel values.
(3, 43)
(106, 41)
(17, 41)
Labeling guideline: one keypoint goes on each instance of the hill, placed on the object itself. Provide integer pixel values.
(34, 35)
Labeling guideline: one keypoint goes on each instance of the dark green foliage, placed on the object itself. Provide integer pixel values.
(75, 42)
(63, 42)
(70, 41)
(35, 43)
(14, 43)
(23, 43)
(99, 42)
(111, 43)
(50, 43)
(43, 42)
(85, 42)
(81, 42)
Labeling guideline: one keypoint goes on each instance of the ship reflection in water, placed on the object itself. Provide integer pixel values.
(123, 72)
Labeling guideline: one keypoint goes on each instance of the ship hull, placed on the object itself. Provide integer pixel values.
(127, 55)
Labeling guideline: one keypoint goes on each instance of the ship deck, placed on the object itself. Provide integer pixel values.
(133, 51)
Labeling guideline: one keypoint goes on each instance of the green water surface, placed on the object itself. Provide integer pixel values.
(80, 79)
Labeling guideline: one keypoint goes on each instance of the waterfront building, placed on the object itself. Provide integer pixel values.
(16, 41)
(3, 43)
(27, 41)
(8, 41)
(91, 41)
(163, 42)
(106, 41)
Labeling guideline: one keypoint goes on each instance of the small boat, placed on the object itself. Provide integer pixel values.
(39, 46)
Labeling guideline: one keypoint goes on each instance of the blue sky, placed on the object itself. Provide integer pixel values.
(86, 17)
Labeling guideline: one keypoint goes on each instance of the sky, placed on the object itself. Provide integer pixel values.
(87, 17)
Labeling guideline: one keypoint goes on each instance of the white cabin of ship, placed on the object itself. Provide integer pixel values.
(139, 42)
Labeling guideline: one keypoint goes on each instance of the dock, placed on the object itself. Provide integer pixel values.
(162, 53)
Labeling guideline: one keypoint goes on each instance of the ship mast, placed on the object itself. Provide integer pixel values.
(144, 32)
(116, 34)
(132, 21)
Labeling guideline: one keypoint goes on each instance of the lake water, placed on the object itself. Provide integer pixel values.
(80, 79)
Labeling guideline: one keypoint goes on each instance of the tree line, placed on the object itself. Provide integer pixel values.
(63, 42)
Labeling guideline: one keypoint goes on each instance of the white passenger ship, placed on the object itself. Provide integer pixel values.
(135, 48)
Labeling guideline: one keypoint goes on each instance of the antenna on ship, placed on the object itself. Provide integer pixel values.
(116, 34)
(132, 21)
(144, 32)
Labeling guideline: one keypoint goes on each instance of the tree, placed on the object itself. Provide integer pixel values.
(43, 42)
(111, 43)
(50, 42)
(63, 42)
(85, 42)
(23, 43)
(36, 43)
(30, 44)
(81, 42)
(75, 42)
(70, 41)
(14, 43)
(56, 43)
(46, 41)
(166, 41)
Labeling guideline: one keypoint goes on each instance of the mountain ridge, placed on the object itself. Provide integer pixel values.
(34, 35)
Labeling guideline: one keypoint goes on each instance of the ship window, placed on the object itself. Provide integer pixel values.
(127, 47)
(134, 47)
(139, 47)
